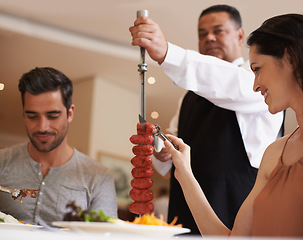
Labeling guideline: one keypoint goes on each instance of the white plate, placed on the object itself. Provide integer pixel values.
(104, 227)
(18, 226)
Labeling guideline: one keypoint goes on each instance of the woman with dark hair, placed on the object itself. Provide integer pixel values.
(274, 207)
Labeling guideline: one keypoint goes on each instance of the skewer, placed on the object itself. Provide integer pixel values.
(142, 69)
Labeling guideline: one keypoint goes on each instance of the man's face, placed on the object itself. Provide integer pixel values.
(46, 120)
(220, 37)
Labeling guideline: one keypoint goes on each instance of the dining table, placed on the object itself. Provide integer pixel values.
(11, 232)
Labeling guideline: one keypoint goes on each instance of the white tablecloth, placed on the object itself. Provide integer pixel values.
(38, 234)
(69, 235)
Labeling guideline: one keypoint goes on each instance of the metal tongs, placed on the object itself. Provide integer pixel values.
(157, 132)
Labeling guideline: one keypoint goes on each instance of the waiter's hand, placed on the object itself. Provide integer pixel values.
(146, 33)
(163, 155)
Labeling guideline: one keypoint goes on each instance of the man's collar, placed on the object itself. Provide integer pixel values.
(239, 61)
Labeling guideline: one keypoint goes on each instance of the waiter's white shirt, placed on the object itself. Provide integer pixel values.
(228, 86)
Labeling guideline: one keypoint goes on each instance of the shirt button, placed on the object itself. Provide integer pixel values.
(38, 203)
(39, 173)
(43, 183)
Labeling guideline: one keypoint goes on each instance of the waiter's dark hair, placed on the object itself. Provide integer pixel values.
(46, 79)
(279, 35)
(233, 13)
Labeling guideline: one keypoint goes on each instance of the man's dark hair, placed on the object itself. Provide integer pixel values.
(232, 12)
(46, 79)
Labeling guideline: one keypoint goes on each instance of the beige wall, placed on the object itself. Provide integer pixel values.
(115, 118)
(290, 121)
(105, 117)
(8, 139)
(79, 130)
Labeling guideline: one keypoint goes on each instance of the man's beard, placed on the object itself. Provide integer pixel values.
(44, 146)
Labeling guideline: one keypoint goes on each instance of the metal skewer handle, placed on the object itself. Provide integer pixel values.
(142, 69)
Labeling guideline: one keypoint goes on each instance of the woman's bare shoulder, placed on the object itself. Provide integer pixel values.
(277, 145)
(272, 155)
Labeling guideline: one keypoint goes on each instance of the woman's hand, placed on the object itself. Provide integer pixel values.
(181, 157)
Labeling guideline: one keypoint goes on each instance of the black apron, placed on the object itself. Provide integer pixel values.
(218, 160)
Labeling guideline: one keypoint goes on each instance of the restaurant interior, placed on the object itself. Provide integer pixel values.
(90, 42)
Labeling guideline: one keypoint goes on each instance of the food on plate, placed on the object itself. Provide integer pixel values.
(142, 171)
(6, 218)
(77, 214)
(151, 219)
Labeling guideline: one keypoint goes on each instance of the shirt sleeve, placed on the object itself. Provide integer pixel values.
(228, 86)
(258, 131)
(104, 195)
(222, 83)
(164, 167)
